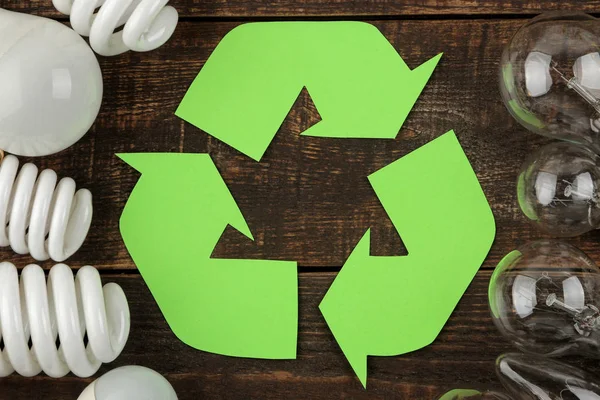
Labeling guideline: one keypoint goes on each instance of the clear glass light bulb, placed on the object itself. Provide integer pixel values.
(529, 377)
(51, 85)
(468, 394)
(550, 76)
(557, 189)
(129, 383)
(545, 299)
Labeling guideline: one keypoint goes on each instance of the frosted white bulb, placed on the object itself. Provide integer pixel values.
(127, 383)
(51, 85)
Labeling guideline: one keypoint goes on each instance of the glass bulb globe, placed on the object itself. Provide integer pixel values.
(550, 76)
(467, 394)
(51, 85)
(545, 299)
(557, 189)
(529, 377)
(128, 383)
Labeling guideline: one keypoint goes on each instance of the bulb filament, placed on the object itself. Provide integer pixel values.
(587, 320)
(574, 84)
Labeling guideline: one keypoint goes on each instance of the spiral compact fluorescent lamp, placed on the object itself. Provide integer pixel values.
(65, 308)
(41, 215)
(147, 24)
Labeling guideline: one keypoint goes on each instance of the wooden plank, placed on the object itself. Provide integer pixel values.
(308, 200)
(462, 356)
(340, 8)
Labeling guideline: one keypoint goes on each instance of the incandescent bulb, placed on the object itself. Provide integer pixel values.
(545, 298)
(128, 383)
(550, 77)
(51, 85)
(558, 189)
(468, 394)
(529, 377)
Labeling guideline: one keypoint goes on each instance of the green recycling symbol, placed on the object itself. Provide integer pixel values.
(179, 209)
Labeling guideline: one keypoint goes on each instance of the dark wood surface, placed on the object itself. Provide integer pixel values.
(342, 8)
(308, 199)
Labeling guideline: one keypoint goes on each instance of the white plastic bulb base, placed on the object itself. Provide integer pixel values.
(51, 85)
(128, 383)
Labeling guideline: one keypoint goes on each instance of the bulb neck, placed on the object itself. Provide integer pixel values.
(585, 320)
(576, 86)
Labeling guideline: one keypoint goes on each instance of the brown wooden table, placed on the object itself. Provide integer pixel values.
(308, 199)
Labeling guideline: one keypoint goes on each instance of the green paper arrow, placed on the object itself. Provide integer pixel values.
(385, 306)
(359, 84)
(171, 224)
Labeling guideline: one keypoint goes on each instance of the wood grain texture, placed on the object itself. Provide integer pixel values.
(308, 200)
(463, 356)
(340, 8)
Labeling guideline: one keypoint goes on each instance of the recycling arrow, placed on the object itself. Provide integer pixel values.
(362, 88)
(385, 306)
(171, 224)
(358, 82)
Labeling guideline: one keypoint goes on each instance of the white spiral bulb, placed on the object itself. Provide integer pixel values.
(147, 24)
(66, 309)
(39, 216)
